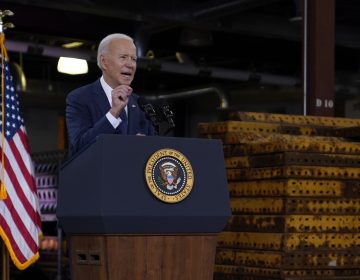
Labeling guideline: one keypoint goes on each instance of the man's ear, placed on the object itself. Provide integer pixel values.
(103, 62)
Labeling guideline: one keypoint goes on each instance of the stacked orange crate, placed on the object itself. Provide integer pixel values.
(295, 198)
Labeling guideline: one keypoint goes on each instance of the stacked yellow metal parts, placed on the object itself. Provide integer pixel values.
(294, 183)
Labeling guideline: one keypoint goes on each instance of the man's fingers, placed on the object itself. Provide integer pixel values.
(122, 94)
(123, 88)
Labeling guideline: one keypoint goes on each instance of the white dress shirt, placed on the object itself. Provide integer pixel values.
(114, 121)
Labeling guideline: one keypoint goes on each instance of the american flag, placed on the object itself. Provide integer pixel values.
(20, 224)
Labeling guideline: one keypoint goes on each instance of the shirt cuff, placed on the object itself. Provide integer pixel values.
(114, 121)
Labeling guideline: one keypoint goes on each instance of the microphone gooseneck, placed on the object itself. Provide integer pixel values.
(157, 112)
(168, 115)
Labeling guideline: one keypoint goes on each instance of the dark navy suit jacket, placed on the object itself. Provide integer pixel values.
(86, 108)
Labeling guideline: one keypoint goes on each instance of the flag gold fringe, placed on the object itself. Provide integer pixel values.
(18, 264)
(3, 194)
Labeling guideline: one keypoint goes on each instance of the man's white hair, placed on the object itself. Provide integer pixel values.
(104, 44)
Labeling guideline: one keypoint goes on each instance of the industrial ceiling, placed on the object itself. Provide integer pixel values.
(180, 43)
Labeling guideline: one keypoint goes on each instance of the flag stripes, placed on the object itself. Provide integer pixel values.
(20, 224)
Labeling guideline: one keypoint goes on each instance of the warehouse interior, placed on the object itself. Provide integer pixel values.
(204, 58)
(248, 53)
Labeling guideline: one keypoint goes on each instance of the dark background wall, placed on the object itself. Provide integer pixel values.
(249, 51)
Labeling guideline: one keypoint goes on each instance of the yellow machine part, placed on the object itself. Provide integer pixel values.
(230, 272)
(290, 188)
(294, 119)
(257, 205)
(260, 127)
(331, 241)
(322, 259)
(228, 269)
(323, 206)
(256, 223)
(321, 274)
(288, 260)
(303, 172)
(287, 143)
(289, 241)
(295, 223)
(298, 205)
(292, 158)
(237, 270)
(323, 223)
(268, 259)
(251, 240)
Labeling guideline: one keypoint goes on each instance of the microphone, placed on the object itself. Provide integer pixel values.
(168, 115)
(149, 110)
(157, 111)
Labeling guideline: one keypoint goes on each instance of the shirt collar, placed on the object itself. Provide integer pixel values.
(106, 88)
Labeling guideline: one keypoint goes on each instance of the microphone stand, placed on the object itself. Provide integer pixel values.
(168, 114)
(158, 114)
(151, 114)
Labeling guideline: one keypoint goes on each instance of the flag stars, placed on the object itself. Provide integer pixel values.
(11, 110)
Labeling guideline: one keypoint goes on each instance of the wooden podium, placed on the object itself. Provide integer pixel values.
(118, 229)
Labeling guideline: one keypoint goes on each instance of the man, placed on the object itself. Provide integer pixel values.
(107, 106)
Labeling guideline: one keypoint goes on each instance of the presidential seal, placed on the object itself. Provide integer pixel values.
(169, 175)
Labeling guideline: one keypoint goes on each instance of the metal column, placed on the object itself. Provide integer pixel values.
(319, 46)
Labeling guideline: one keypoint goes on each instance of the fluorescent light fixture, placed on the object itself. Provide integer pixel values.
(72, 66)
(72, 45)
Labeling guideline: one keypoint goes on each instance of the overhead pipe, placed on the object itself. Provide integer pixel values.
(158, 65)
(217, 73)
(224, 103)
(46, 50)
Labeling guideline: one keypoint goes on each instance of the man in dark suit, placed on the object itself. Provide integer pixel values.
(107, 106)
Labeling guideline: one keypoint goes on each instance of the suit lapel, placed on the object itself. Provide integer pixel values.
(104, 106)
(100, 98)
(132, 109)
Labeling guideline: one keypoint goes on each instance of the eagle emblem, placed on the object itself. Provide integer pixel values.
(169, 175)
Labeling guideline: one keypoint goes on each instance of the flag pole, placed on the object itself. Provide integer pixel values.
(4, 26)
(5, 263)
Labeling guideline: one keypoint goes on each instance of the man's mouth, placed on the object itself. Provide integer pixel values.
(126, 74)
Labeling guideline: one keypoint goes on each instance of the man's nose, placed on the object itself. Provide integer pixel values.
(130, 63)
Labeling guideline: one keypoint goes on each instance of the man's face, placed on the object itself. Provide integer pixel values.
(119, 63)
